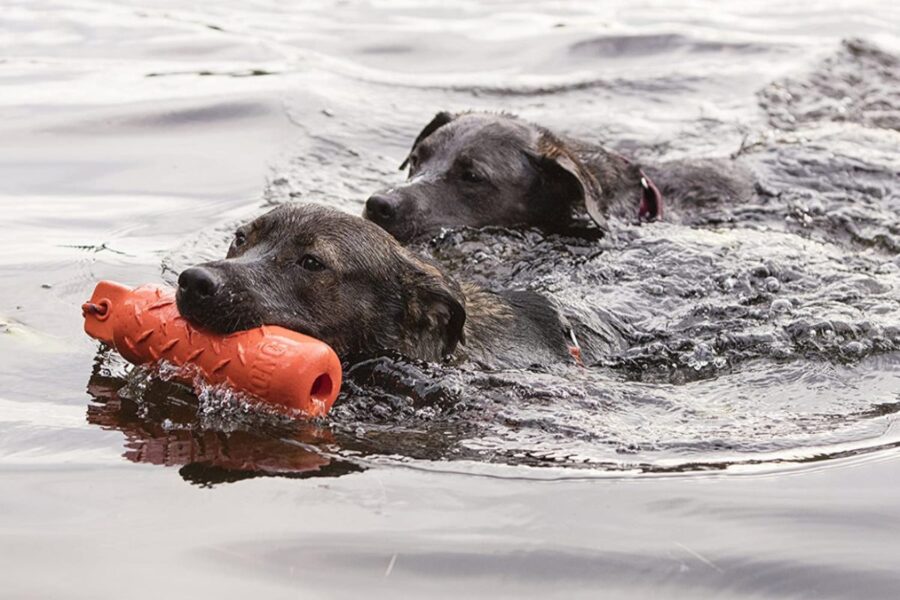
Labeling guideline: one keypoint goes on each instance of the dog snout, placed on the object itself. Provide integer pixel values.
(198, 282)
(382, 209)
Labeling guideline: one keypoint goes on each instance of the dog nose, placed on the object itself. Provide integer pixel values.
(381, 208)
(198, 281)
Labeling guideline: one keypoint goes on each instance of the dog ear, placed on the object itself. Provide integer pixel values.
(564, 176)
(436, 311)
(439, 120)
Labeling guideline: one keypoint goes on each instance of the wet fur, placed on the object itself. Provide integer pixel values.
(371, 296)
(477, 169)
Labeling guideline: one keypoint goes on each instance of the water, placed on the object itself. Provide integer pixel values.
(735, 431)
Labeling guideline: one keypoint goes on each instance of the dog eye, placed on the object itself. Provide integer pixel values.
(240, 238)
(472, 176)
(311, 263)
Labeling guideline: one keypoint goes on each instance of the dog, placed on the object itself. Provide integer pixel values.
(347, 282)
(477, 169)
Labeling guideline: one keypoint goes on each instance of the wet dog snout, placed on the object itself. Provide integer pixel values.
(198, 282)
(381, 208)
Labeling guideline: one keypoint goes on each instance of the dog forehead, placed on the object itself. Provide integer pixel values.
(478, 133)
(297, 220)
(345, 240)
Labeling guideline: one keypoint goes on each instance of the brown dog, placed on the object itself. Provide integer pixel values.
(345, 281)
(476, 169)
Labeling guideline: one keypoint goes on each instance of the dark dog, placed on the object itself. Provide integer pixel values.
(345, 281)
(477, 169)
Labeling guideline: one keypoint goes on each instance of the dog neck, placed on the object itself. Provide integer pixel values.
(627, 190)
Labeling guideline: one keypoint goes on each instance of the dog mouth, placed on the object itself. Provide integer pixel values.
(407, 223)
(214, 315)
(232, 313)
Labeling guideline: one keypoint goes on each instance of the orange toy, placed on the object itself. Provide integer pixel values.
(273, 364)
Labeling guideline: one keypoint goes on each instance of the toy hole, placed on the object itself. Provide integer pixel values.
(321, 388)
(102, 310)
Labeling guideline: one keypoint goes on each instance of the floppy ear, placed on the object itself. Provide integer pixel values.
(436, 312)
(439, 120)
(565, 177)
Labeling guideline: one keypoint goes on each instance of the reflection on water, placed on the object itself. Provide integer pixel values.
(164, 424)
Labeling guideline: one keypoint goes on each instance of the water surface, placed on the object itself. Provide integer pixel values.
(734, 434)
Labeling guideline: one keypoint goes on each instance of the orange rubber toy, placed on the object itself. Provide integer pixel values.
(273, 364)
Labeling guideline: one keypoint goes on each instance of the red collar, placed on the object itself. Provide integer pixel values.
(575, 348)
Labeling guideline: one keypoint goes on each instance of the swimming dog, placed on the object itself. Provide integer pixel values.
(347, 282)
(476, 169)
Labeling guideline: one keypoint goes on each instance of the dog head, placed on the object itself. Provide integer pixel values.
(329, 275)
(479, 169)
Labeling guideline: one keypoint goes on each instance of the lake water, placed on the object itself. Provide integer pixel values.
(735, 433)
